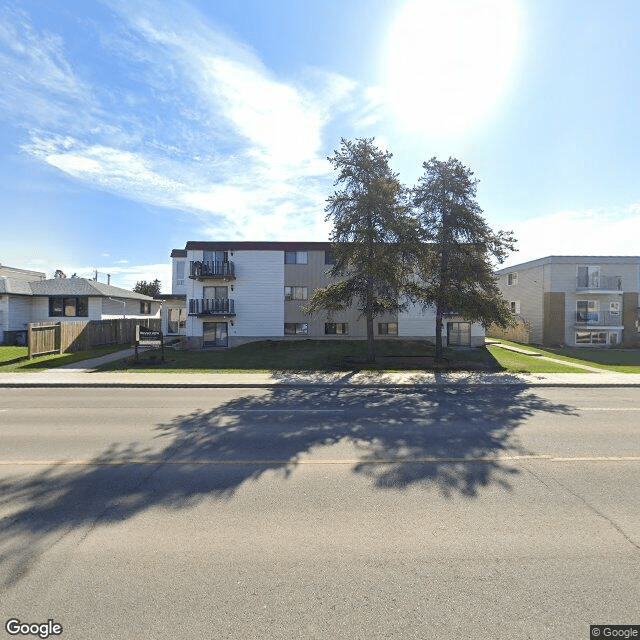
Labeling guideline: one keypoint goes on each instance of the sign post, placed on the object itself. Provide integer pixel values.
(146, 337)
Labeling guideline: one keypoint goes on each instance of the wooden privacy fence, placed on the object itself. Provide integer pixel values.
(60, 337)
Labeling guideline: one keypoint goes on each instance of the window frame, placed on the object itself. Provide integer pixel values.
(335, 332)
(296, 328)
(291, 295)
(145, 304)
(512, 279)
(80, 306)
(386, 331)
(296, 257)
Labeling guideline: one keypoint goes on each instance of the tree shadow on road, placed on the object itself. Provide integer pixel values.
(457, 441)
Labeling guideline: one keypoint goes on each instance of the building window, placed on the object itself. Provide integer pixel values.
(512, 278)
(329, 258)
(388, 328)
(614, 308)
(296, 328)
(295, 293)
(295, 257)
(587, 311)
(589, 277)
(68, 306)
(179, 272)
(514, 306)
(335, 328)
(591, 337)
(145, 308)
(176, 320)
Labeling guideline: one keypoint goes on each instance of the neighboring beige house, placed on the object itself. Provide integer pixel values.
(27, 296)
(229, 293)
(576, 300)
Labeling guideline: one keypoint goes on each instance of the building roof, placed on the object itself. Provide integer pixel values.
(571, 260)
(14, 286)
(250, 246)
(81, 287)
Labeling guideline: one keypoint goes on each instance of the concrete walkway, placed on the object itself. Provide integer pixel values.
(536, 354)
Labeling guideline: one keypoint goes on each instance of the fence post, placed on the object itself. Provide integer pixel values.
(30, 340)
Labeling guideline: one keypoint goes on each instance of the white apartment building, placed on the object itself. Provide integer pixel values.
(228, 293)
(576, 300)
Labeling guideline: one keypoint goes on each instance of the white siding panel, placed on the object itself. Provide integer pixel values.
(414, 322)
(258, 293)
(20, 313)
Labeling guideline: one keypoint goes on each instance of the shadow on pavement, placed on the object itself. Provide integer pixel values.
(391, 436)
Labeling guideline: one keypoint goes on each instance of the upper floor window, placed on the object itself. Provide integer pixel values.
(68, 306)
(295, 293)
(145, 307)
(180, 272)
(512, 278)
(329, 258)
(295, 257)
(514, 306)
(589, 277)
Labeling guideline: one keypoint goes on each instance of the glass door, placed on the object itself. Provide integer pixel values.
(215, 334)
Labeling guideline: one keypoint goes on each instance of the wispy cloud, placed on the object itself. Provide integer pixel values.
(591, 232)
(206, 128)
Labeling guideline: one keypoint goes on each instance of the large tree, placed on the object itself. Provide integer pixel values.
(458, 249)
(370, 223)
(148, 288)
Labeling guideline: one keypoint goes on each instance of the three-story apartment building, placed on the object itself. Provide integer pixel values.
(229, 293)
(576, 300)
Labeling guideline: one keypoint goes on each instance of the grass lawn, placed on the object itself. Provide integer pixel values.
(56, 360)
(620, 360)
(520, 363)
(308, 355)
(9, 354)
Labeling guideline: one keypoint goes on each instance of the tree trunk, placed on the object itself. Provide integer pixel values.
(371, 349)
(438, 335)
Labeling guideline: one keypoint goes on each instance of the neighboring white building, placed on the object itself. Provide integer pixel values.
(26, 297)
(229, 293)
(576, 300)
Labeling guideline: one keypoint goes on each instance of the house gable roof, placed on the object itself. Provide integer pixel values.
(81, 287)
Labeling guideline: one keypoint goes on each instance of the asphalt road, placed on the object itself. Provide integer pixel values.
(497, 512)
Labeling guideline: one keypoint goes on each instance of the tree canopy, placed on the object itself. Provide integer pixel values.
(370, 222)
(455, 263)
(147, 288)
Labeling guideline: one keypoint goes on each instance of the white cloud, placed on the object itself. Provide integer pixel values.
(591, 232)
(207, 128)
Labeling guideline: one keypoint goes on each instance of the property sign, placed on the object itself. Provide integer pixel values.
(146, 337)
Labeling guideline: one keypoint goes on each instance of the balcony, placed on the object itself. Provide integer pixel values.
(211, 307)
(598, 319)
(599, 283)
(209, 270)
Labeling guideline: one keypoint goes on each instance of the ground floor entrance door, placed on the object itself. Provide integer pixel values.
(214, 334)
(458, 334)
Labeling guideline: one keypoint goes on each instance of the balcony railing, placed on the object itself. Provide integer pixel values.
(211, 307)
(599, 283)
(212, 270)
(598, 319)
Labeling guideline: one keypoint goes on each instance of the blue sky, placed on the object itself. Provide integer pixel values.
(129, 127)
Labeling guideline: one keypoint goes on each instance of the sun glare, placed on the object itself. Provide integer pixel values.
(448, 63)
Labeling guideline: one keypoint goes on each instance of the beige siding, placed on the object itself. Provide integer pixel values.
(529, 292)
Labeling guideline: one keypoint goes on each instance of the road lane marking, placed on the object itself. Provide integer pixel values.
(349, 461)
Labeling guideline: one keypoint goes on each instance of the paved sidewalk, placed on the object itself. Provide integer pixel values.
(70, 378)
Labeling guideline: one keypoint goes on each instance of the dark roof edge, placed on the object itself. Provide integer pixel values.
(253, 246)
